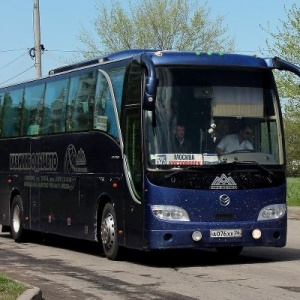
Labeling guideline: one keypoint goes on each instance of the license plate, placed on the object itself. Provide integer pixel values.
(226, 233)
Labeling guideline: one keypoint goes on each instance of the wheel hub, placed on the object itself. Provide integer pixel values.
(108, 231)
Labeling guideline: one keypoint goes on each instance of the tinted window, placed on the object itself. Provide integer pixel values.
(55, 106)
(81, 102)
(12, 113)
(33, 109)
(105, 117)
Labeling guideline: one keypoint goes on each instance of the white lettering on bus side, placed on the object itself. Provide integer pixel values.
(41, 161)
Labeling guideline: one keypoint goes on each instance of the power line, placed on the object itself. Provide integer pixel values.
(16, 75)
(12, 61)
(57, 50)
(12, 50)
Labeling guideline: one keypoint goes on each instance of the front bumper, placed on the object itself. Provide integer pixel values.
(271, 236)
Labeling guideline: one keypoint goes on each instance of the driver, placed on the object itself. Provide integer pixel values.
(236, 142)
(181, 143)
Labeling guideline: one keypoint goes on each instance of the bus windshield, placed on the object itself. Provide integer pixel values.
(211, 116)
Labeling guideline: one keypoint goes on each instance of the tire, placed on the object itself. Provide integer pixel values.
(17, 220)
(109, 233)
(229, 251)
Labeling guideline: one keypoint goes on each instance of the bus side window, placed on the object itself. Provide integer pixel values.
(102, 94)
(105, 115)
(117, 79)
(55, 105)
(33, 112)
(81, 102)
(12, 113)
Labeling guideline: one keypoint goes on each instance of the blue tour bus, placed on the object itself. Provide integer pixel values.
(88, 152)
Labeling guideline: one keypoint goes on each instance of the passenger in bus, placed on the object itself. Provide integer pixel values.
(236, 142)
(181, 143)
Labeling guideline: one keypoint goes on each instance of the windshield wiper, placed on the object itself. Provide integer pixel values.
(202, 167)
(259, 166)
(237, 163)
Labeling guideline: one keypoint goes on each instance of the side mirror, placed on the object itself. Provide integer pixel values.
(149, 93)
(151, 83)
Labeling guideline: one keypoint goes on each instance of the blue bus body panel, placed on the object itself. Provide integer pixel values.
(206, 213)
(193, 58)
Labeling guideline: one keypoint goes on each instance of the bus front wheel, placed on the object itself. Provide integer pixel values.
(17, 220)
(109, 232)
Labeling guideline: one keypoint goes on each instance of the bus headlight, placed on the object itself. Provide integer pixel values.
(271, 212)
(170, 213)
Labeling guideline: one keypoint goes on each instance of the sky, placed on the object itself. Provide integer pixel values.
(61, 22)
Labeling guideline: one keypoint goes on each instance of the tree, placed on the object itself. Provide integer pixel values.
(292, 137)
(156, 24)
(287, 46)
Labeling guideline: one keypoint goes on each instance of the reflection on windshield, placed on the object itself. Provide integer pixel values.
(198, 123)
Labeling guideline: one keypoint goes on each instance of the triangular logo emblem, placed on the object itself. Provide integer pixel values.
(223, 183)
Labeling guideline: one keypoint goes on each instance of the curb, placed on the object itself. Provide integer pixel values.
(33, 293)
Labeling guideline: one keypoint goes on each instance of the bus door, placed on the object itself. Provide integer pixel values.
(132, 137)
(133, 167)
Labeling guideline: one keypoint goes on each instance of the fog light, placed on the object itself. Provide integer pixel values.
(197, 236)
(256, 234)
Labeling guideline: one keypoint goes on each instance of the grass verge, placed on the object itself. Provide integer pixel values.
(10, 289)
(293, 191)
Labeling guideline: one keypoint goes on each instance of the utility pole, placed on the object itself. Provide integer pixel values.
(37, 38)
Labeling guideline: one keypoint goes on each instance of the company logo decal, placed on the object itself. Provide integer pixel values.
(224, 200)
(75, 161)
(223, 183)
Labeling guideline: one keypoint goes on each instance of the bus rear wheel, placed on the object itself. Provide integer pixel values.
(109, 233)
(17, 220)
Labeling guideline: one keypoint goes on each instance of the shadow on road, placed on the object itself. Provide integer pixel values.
(171, 258)
(188, 258)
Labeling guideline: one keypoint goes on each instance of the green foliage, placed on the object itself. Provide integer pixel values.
(287, 46)
(10, 289)
(156, 24)
(293, 191)
(292, 137)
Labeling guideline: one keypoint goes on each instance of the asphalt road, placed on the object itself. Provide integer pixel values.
(70, 269)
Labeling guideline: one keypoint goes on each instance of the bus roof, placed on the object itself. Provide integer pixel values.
(165, 57)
